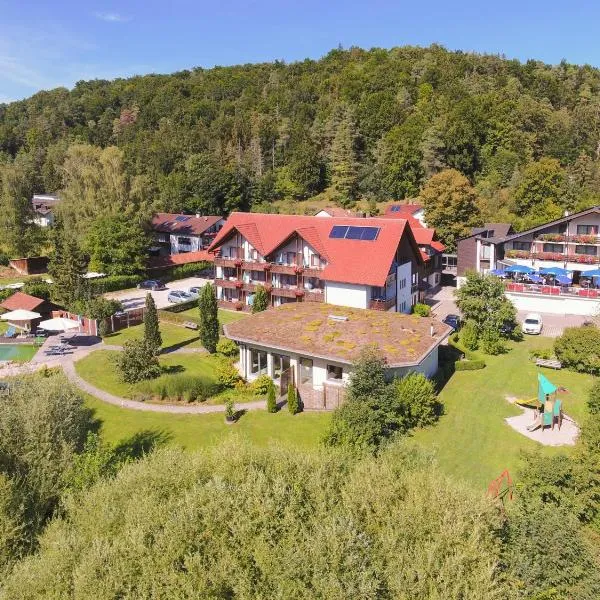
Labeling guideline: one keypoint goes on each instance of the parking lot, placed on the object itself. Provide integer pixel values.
(134, 298)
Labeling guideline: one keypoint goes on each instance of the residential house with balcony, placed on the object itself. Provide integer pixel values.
(571, 243)
(177, 233)
(361, 263)
(432, 250)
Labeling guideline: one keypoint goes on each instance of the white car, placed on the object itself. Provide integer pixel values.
(533, 324)
(194, 291)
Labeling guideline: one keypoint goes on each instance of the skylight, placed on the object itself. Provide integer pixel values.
(181, 218)
(395, 208)
(354, 233)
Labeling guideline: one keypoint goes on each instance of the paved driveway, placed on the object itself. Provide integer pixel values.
(443, 304)
(135, 298)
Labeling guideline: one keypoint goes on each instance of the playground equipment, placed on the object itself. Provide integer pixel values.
(501, 487)
(549, 406)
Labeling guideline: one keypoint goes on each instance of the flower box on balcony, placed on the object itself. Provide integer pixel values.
(518, 254)
(299, 293)
(585, 239)
(552, 237)
(556, 256)
(239, 284)
(268, 287)
(298, 269)
(238, 306)
(584, 259)
(238, 262)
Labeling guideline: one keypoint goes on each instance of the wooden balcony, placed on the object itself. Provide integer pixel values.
(312, 272)
(284, 269)
(228, 262)
(382, 304)
(285, 292)
(236, 305)
(314, 296)
(226, 283)
(254, 265)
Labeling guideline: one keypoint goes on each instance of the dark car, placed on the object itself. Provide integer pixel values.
(507, 328)
(152, 284)
(452, 320)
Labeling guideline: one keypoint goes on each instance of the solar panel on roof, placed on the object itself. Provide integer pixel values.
(395, 209)
(354, 233)
(181, 218)
(338, 231)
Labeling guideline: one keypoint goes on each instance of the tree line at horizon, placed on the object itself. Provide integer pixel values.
(502, 140)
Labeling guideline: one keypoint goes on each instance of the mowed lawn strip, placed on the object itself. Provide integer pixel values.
(98, 368)
(117, 425)
(472, 440)
(173, 335)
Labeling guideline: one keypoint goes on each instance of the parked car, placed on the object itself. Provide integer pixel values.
(179, 296)
(152, 284)
(532, 324)
(194, 291)
(453, 321)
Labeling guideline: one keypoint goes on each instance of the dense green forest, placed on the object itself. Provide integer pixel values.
(355, 125)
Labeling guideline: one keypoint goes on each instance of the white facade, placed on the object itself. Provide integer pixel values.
(404, 282)
(347, 294)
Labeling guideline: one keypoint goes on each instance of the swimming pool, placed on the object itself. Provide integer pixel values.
(17, 352)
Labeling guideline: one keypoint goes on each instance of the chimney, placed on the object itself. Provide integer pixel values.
(197, 215)
(431, 330)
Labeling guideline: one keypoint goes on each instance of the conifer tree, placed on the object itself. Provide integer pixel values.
(151, 328)
(344, 163)
(209, 321)
(261, 300)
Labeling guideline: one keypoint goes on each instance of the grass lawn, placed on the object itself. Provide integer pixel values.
(98, 369)
(472, 440)
(225, 316)
(199, 431)
(172, 335)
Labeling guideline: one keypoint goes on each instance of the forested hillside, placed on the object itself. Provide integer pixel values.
(357, 124)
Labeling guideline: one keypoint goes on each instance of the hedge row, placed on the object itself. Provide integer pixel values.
(469, 365)
(183, 271)
(114, 283)
(473, 361)
(181, 306)
(167, 316)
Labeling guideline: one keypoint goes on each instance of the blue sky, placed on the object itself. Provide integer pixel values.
(51, 43)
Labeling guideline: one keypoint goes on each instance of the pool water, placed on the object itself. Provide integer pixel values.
(17, 352)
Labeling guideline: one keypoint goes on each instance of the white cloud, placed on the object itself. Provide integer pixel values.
(112, 17)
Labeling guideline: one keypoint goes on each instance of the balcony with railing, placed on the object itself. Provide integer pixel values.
(314, 296)
(284, 269)
(255, 265)
(552, 290)
(584, 259)
(382, 304)
(226, 283)
(228, 262)
(285, 292)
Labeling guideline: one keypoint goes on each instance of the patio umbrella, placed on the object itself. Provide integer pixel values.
(519, 269)
(497, 273)
(563, 280)
(534, 277)
(20, 315)
(591, 273)
(554, 271)
(58, 324)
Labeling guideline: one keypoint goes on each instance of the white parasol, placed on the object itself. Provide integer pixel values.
(20, 315)
(58, 324)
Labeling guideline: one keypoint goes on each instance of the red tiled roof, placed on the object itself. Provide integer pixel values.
(402, 210)
(161, 262)
(166, 223)
(19, 300)
(349, 261)
(438, 246)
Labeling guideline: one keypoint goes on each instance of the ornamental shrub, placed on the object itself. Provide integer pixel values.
(423, 310)
(292, 399)
(578, 348)
(593, 399)
(491, 342)
(469, 365)
(261, 299)
(261, 385)
(137, 362)
(227, 347)
(227, 374)
(469, 335)
(271, 401)
(209, 321)
(418, 402)
(152, 334)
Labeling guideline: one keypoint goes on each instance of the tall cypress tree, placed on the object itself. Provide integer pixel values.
(209, 320)
(344, 162)
(261, 299)
(151, 329)
(66, 267)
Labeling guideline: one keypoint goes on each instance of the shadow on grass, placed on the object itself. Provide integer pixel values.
(142, 443)
(169, 349)
(172, 369)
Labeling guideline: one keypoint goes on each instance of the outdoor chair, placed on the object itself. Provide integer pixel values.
(557, 413)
